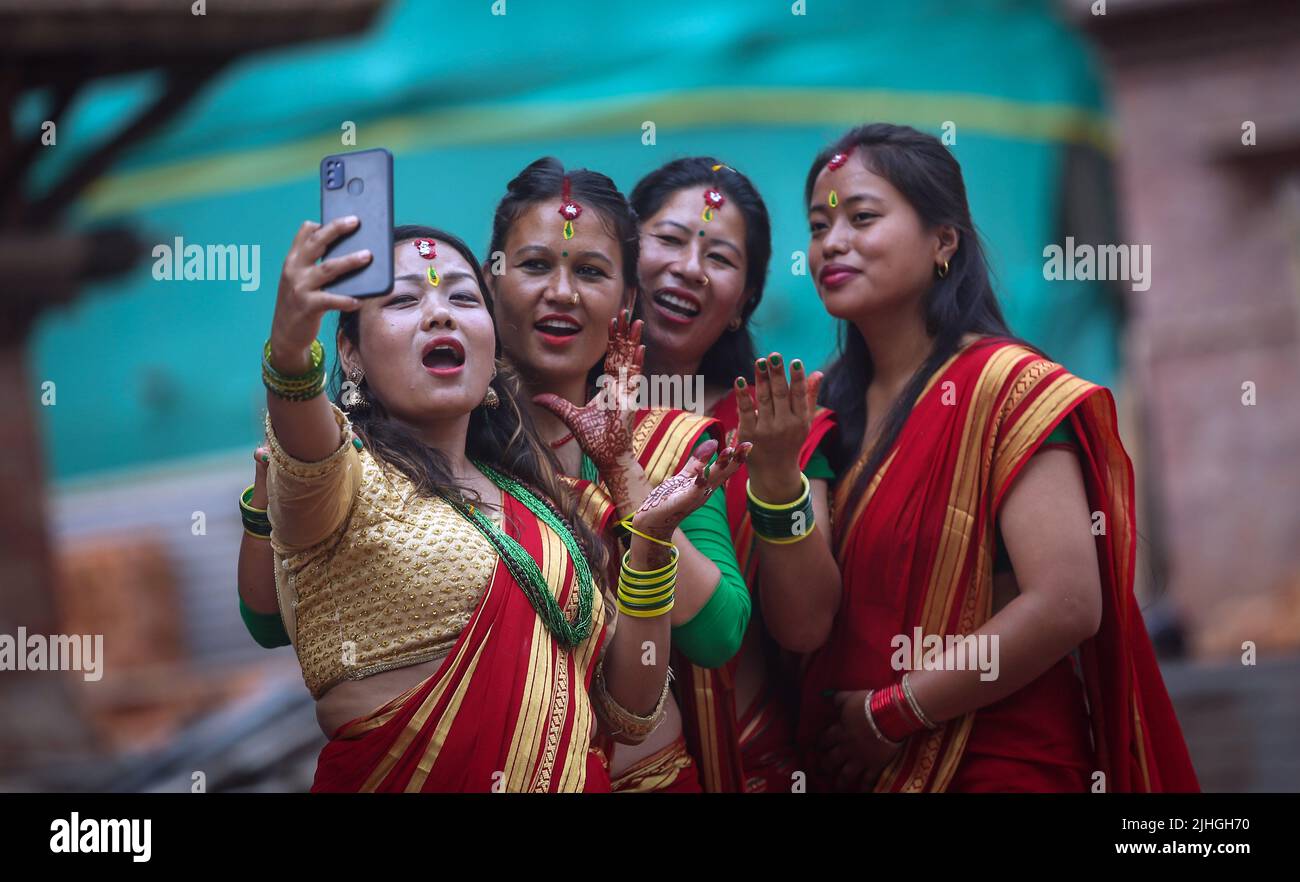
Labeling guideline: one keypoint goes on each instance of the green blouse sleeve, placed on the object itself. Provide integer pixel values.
(714, 634)
(267, 628)
(819, 467)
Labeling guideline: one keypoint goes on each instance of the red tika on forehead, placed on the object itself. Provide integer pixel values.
(426, 247)
(838, 158)
(569, 209)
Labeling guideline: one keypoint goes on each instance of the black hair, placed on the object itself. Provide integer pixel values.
(962, 302)
(733, 354)
(543, 180)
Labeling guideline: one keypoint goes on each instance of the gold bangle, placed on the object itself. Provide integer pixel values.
(622, 722)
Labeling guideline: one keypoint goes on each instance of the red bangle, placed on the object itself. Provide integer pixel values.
(892, 714)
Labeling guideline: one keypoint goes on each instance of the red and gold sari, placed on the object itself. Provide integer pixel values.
(916, 550)
(755, 752)
(662, 440)
(508, 709)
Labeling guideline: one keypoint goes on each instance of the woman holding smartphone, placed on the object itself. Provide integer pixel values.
(444, 600)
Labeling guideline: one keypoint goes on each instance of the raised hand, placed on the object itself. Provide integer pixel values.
(301, 303)
(679, 495)
(776, 417)
(603, 427)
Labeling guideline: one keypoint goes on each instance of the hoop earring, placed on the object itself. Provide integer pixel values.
(942, 273)
(351, 395)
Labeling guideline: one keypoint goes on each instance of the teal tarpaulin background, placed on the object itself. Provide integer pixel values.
(150, 371)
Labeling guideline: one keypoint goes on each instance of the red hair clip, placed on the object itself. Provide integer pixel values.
(569, 210)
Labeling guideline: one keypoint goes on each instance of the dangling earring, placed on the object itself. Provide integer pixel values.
(352, 396)
(942, 273)
(492, 400)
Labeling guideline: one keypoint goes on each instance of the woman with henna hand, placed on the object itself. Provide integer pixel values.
(563, 271)
(985, 637)
(705, 245)
(443, 596)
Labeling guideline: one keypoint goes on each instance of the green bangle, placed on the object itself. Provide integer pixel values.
(782, 524)
(295, 388)
(256, 521)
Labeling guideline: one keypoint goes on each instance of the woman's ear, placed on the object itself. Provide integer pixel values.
(946, 243)
(349, 358)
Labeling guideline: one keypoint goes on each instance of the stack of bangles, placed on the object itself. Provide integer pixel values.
(300, 388)
(782, 524)
(645, 594)
(893, 714)
(256, 522)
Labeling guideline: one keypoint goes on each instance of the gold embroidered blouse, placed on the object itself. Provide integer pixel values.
(369, 576)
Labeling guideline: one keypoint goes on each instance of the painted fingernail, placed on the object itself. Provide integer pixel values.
(740, 382)
(762, 364)
(776, 360)
(796, 365)
(266, 457)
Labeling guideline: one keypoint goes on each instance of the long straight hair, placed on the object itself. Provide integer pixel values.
(963, 302)
(503, 437)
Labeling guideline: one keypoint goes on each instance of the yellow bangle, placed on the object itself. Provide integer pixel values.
(626, 524)
(644, 614)
(650, 574)
(786, 506)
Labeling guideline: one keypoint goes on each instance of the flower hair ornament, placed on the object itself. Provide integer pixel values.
(569, 209)
(428, 250)
(837, 160)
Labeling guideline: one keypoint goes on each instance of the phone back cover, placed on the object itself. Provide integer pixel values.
(374, 206)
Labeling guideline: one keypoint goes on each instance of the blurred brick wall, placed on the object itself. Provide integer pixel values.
(1223, 223)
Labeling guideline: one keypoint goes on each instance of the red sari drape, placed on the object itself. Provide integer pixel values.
(713, 731)
(508, 709)
(662, 440)
(917, 548)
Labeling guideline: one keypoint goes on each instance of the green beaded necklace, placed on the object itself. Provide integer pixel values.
(525, 570)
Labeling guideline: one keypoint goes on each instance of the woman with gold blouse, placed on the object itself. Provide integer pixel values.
(445, 604)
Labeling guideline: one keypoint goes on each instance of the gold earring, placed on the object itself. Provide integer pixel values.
(351, 394)
(734, 324)
(942, 273)
(492, 400)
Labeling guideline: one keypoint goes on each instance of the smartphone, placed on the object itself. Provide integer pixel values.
(360, 183)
